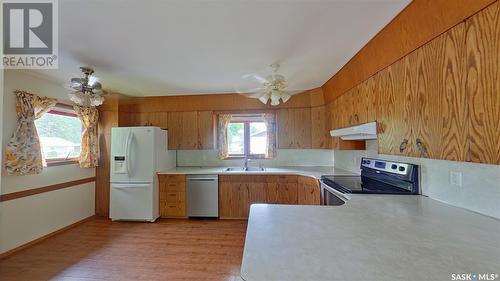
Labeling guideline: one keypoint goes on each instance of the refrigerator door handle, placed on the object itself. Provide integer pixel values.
(127, 156)
(130, 185)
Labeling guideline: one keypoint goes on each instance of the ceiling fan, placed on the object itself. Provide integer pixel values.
(87, 91)
(272, 87)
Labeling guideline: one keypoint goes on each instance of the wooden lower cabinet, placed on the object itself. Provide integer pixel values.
(172, 196)
(308, 191)
(235, 198)
(237, 193)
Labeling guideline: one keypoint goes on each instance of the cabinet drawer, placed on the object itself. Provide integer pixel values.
(175, 197)
(175, 187)
(175, 209)
(173, 178)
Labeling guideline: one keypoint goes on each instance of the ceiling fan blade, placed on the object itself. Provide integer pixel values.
(250, 83)
(252, 91)
(255, 77)
(257, 94)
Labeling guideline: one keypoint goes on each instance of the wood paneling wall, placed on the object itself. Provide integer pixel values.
(215, 102)
(420, 22)
(108, 118)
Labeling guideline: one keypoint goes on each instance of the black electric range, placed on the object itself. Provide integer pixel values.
(377, 177)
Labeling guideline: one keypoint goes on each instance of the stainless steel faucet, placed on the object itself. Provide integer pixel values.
(245, 163)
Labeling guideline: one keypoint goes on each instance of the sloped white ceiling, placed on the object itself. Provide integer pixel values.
(153, 47)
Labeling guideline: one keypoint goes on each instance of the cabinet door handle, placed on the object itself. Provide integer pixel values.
(421, 147)
(403, 145)
(350, 120)
(356, 117)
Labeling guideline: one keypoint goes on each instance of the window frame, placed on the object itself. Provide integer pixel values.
(246, 140)
(62, 161)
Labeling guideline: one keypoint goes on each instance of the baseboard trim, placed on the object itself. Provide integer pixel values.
(38, 240)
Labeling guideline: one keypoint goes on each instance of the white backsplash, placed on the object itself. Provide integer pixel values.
(284, 157)
(480, 190)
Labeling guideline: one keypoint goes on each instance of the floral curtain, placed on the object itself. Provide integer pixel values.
(23, 154)
(222, 146)
(270, 120)
(89, 157)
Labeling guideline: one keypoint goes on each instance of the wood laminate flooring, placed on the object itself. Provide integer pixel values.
(169, 249)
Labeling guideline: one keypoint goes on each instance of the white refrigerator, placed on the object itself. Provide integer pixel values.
(137, 154)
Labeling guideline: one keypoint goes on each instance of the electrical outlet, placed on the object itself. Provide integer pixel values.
(456, 178)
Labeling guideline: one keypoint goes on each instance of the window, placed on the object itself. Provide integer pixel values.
(247, 136)
(60, 132)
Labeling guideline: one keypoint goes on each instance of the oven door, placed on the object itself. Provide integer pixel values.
(332, 197)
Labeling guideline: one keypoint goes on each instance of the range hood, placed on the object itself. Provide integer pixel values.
(367, 131)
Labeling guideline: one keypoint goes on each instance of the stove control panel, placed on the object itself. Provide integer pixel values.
(386, 166)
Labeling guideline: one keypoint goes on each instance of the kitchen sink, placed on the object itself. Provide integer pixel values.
(243, 169)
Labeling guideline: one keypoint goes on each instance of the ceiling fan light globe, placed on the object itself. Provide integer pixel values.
(264, 98)
(285, 97)
(275, 95)
(275, 102)
(77, 97)
(96, 100)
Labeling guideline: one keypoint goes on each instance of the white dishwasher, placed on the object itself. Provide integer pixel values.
(202, 195)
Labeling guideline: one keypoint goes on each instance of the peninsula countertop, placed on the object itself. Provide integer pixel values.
(316, 171)
(371, 237)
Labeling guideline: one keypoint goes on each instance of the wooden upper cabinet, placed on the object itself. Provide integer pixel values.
(421, 108)
(356, 106)
(294, 127)
(158, 119)
(439, 117)
(191, 130)
(206, 132)
(183, 130)
(366, 101)
(334, 114)
(393, 87)
(320, 133)
(483, 84)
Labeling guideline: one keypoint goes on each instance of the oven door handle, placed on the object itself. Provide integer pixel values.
(342, 196)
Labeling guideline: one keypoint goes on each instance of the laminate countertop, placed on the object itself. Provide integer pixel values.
(315, 172)
(371, 237)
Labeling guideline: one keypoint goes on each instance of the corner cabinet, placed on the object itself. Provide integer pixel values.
(308, 191)
(293, 128)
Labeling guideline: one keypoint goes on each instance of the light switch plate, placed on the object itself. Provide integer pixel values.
(456, 178)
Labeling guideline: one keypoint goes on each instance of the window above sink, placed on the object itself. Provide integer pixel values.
(247, 136)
